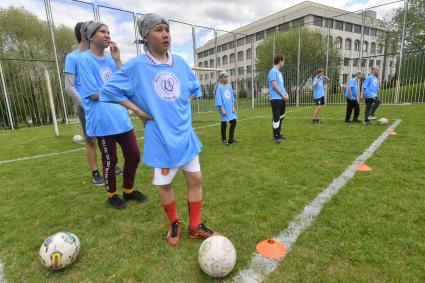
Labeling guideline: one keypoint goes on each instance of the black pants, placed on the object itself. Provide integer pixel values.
(371, 105)
(352, 104)
(278, 111)
(231, 130)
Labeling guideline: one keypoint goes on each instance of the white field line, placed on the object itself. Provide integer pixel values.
(2, 278)
(140, 138)
(260, 266)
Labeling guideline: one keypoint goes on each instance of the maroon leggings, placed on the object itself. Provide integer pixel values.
(131, 153)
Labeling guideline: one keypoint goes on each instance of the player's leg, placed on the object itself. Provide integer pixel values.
(232, 131)
(349, 110)
(375, 105)
(131, 153)
(276, 118)
(368, 108)
(223, 132)
(281, 117)
(356, 111)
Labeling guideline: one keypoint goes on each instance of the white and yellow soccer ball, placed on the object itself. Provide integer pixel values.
(217, 256)
(78, 139)
(59, 250)
(383, 121)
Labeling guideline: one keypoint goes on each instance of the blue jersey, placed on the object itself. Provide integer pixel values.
(354, 89)
(102, 119)
(371, 87)
(71, 67)
(276, 75)
(225, 97)
(164, 92)
(319, 89)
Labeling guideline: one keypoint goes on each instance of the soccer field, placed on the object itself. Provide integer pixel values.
(371, 231)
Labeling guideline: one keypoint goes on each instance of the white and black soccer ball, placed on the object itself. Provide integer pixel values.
(59, 250)
(78, 139)
(383, 121)
(217, 256)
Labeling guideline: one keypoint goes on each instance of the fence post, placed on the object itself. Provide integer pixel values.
(362, 40)
(6, 97)
(298, 66)
(51, 27)
(236, 71)
(52, 104)
(327, 57)
(397, 94)
(252, 75)
(194, 57)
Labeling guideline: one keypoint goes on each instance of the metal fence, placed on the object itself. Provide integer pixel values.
(23, 91)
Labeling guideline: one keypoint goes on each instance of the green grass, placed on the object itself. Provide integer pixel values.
(371, 231)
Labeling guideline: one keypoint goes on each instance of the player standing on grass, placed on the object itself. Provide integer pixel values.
(351, 96)
(108, 122)
(370, 92)
(278, 96)
(162, 85)
(72, 87)
(225, 103)
(318, 89)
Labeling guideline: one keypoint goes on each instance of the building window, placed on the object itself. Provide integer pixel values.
(218, 48)
(346, 62)
(240, 41)
(357, 28)
(378, 63)
(364, 63)
(249, 69)
(365, 46)
(347, 44)
(212, 63)
(212, 75)
(200, 64)
(200, 55)
(240, 71)
(373, 31)
(328, 23)
(206, 64)
(225, 60)
(259, 35)
(373, 48)
(271, 31)
(298, 22)
(348, 27)
(356, 62)
(249, 38)
(211, 51)
(357, 45)
(317, 21)
(338, 42)
(231, 44)
(284, 27)
(370, 63)
(205, 53)
(248, 54)
(380, 48)
(225, 47)
(232, 72)
(206, 76)
(345, 78)
(339, 25)
(366, 31)
(240, 56)
(232, 58)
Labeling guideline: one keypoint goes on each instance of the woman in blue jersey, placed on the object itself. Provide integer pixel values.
(162, 84)
(108, 122)
(225, 103)
(318, 89)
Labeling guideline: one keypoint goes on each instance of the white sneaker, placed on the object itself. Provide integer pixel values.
(372, 118)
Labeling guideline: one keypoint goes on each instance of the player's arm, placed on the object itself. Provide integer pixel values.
(115, 53)
(140, 113)
(71, 90)
(286, 94)
(276, 88)
(316, 83)
(350, 92)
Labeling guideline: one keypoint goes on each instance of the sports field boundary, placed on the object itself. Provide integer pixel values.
(260, 267)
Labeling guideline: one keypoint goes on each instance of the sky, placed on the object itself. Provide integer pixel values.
(219, 14)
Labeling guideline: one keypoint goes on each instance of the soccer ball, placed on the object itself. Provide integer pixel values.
(383, 121)
(59, 250)
(217, 256)
(77, 139)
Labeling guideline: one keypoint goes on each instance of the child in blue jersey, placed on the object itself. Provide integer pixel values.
(370, 92)
(277, 96)
(72, 88)
(225, 103)
(108, 122)
(318, 89)
(162, 84)
(351, 96)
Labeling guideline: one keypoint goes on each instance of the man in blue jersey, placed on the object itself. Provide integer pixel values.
(108, 122)
(225, 103)
(351, 96)
(162, 85)
(72, 88)
(277, 96)
(370, 92)
(318, 89)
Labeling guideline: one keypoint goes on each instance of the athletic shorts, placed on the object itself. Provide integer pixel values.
(320, 101)
(165, 176)
(82, 117)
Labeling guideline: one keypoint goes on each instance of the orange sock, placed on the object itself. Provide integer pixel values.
(171, 211)
(111, 194)
(194, 214)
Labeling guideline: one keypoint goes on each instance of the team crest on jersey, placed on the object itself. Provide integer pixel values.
(105, 74)
(167, 86)
(375, 82)
(227, 94)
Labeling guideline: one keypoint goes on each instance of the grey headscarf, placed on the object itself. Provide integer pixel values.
(146, 23)
(89, 28)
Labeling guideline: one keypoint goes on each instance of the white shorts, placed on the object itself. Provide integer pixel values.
(163, 177)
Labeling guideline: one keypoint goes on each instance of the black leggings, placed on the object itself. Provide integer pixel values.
(278, 110)
(352, 104)
(231, 130)
(371, 105)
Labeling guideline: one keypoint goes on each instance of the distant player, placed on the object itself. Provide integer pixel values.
(277, 96)
(225, 103)
(351, 96)
(318, 89)
(108, 122)
(162, 84)
(370, 92)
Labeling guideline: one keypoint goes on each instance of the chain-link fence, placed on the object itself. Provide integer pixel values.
(37, 35)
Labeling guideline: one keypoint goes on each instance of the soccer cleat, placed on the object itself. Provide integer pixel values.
(372, 118)
(116, 202)
(277, 140)
(97, 180)
(134, 195)
(224, 142)
(283, 137)
(202, 231)
(232, 142)
(313, 121)
(347, 121)
(118, 171)
(173, 236)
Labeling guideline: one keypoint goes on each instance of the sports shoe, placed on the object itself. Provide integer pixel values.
(277, 140)
(202, 232)
(97, 180)
(283, 137)
(118, 171)
(232, 142)
(368, 123)
(372, 118)
(224, 142)
(173, 235)
(134, 195)
(347, 121)
(313, 121)
(116, 202)
(356, 121)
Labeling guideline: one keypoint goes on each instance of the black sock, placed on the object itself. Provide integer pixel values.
(95, 172)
